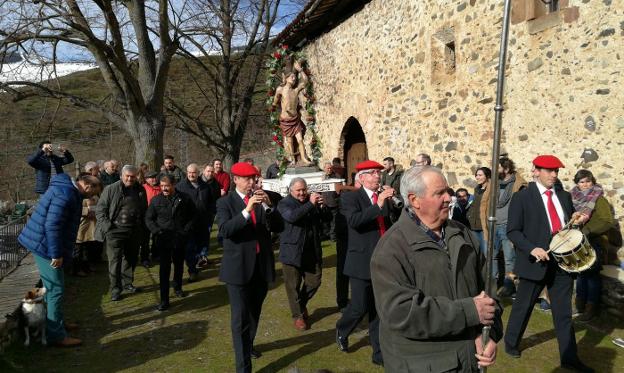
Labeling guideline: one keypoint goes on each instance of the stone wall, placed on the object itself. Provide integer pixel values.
(420, 76)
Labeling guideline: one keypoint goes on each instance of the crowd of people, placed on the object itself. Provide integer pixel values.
(410, 249)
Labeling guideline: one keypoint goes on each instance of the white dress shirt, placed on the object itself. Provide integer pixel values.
(369, 193)
(246, 213)
(542, 189)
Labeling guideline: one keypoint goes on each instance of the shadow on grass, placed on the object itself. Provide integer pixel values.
(309, 343)
(138, 349)
(199, 300)
(589, 350)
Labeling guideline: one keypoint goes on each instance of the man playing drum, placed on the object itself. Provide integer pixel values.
(535, 215)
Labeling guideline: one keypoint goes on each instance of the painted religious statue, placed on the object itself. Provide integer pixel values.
(291, 100)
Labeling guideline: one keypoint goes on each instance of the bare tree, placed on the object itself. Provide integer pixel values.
(131, 41)
(228, 45)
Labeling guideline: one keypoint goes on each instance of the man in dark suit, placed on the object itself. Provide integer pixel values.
(248, 264)
(367, 213)
(170, 217)
(300, 247)
(535, 215)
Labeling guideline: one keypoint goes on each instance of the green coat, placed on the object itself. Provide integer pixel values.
(601, 219)
(108, 207)
(428, 320)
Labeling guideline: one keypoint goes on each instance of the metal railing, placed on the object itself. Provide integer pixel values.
(11, 252)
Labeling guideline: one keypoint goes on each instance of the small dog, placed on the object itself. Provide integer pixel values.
(34, 313)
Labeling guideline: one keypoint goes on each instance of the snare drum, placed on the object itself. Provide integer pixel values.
(572, 251)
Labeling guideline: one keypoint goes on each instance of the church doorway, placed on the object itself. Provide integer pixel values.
(354, 147)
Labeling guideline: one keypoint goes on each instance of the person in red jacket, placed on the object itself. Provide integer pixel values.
(223, 178)
(151, 186)
(152, 189)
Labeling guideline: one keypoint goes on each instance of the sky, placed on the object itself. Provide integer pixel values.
(70, 53)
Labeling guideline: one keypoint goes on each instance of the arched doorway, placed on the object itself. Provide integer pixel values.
(354, 147)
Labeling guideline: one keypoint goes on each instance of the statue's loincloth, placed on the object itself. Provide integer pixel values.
(291, 127)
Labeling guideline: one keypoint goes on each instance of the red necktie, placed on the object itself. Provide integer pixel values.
(380, 218)
(253, 220)
(552, 212)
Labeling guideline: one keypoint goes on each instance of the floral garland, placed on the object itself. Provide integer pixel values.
(275, 65)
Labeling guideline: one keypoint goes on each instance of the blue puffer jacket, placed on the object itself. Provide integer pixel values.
(51, 231)
(41, 163)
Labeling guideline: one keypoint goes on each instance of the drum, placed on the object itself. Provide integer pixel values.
(572, 251)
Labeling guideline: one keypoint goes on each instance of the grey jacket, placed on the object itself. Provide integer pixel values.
(108, 207)
(424, 298)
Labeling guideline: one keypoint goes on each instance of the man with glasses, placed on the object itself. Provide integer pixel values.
(367, 213)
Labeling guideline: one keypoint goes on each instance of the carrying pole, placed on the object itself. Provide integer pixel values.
(493, 185)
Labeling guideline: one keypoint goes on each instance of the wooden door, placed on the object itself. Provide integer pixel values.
(356, 154)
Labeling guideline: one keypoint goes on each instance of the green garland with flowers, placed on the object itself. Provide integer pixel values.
(275, 66)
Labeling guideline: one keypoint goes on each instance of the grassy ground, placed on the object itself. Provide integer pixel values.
(194, 335)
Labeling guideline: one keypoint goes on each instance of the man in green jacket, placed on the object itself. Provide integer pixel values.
(428, 276)
(119, 214)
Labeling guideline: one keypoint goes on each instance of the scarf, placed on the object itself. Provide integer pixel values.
(506, 194)
(585, 201)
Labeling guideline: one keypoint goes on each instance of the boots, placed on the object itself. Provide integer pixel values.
(580, 305)
(591, 311)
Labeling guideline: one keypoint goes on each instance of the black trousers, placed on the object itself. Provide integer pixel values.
(362, 303)
(122, 248)
(342, 281)
(559, 284)
(145, 245)
(245, 307)
(168, 255)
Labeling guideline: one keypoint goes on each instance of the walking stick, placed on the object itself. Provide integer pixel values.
(498, 109)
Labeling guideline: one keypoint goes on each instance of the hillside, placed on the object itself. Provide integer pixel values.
(91, 137)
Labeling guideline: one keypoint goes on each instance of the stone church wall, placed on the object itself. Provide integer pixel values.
(420, 76)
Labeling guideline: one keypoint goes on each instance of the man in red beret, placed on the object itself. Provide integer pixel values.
(367, 212)
(245, 222)
(536, 214)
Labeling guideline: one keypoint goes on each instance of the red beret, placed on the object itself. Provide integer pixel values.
(547, 161)
(243, 169)
(368, 165)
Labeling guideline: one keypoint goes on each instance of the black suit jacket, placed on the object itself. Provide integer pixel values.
(240, 238)
(528, 228)
(363, 231)
(298, 219)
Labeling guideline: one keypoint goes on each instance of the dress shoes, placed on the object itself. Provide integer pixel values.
(512, 351)
(255, 354)
(162, 307)
(179, 293)
(115, 297)
(68, 342)
(577, 366)
(300, 324)
(343, 342)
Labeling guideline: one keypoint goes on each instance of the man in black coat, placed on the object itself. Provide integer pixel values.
(247, 265)
(367, 213)
(170, 217)
(535, 215)
(202, 196)
(300, 247)
(48, 164)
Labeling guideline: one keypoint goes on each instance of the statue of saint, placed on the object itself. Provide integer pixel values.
(290, 97)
